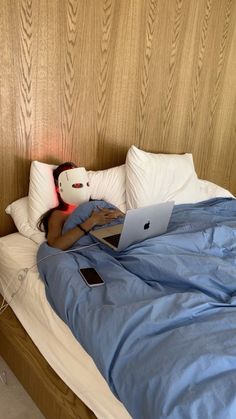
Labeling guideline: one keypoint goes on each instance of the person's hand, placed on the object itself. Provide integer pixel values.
(105, 215)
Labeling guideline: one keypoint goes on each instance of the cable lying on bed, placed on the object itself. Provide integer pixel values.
(22, 274)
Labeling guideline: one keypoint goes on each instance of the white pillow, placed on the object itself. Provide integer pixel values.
(211, 190)
(19, 212)
(42, 193)
(109, 185)
(153, 178)
(105, 184)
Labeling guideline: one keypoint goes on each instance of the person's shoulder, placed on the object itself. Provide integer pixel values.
(58, 215)
(57, 212)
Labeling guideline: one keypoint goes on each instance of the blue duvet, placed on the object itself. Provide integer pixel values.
(162, 330)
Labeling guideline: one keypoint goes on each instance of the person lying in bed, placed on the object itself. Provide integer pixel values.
(53, 220)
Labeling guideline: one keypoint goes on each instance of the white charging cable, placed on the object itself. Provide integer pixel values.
(22, 274)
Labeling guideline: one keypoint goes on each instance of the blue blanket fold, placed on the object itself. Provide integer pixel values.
(162, 330)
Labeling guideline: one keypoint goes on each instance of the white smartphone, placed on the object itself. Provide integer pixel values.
(91, 277)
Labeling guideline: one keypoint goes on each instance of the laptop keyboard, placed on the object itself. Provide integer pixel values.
(114, 239)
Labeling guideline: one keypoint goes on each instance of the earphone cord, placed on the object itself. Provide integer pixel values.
(23, 273)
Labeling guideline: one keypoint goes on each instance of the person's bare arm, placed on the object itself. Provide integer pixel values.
(64, 241)
(55, 237)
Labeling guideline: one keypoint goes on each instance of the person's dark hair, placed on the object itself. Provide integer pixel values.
(42, 224)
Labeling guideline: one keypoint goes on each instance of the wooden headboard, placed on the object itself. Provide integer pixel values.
(83, 80)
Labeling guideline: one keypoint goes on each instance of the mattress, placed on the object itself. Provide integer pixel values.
(51, 336)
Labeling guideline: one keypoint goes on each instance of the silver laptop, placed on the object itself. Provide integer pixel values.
(139, 224)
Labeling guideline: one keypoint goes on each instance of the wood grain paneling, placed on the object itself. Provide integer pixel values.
(83, 80)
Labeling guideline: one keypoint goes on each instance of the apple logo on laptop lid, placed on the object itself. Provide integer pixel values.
(146, 225)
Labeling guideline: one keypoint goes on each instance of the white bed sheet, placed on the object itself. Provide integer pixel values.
(49, 333)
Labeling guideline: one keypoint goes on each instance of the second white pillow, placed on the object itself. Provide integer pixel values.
(153, 178)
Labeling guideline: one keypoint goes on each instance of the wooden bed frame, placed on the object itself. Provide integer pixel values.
(83, 81)
(53, 397)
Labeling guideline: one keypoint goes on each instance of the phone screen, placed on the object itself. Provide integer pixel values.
(91, 277)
